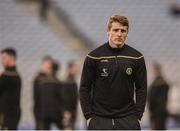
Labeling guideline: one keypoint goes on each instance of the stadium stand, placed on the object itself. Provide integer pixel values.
(152, 31)
(32, 40)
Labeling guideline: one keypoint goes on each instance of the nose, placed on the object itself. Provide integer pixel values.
(119, 33)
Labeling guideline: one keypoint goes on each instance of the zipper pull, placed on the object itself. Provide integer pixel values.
(113, 123)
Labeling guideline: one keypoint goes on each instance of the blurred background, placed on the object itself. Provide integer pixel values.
(68, 29)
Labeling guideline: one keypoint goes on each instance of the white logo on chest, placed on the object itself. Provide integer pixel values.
(104, 72)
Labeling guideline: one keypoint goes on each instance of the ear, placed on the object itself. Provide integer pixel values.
(127, 30)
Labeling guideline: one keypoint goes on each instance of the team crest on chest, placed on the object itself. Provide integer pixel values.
(129, 71)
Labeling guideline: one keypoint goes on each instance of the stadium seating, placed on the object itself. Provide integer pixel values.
(32, 40)
(152, 31)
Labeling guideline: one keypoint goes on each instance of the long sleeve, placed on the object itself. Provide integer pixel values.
(75, 96)
(87, 81)
(3, 83)
(36, 93)
(141, 87)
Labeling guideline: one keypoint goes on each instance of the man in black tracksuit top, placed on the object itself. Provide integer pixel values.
(10, 87)
(158, 100)
(110, 75)
(70, 96)
(47, 97)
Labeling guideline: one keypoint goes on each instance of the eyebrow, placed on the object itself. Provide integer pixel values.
(115, 29)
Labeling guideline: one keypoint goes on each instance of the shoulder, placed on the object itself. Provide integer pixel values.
(133, 52)
(96, 53)
(135, 55)
(4, 77)
(39, 77)
(163, 82)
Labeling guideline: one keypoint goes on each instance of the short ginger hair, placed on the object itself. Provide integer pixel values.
(123, 20)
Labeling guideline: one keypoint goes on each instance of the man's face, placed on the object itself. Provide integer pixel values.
(46, 66)
(73, 70)
(117, 34)
(5, 59)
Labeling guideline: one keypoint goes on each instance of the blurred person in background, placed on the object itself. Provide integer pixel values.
(175, 10)
(112, 74)
(47, 96)
(10, 90)
(43, 11)
(157, 99)
(70, 95)
(55, 69)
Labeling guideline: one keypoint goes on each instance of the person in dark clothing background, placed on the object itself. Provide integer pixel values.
(10, 88)
(110, 75)
(47, 96)
(70, 95)
(55, 68)
(43, 11)
(157, 99)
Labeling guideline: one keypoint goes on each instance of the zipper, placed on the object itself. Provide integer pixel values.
(113, 123)
(116, 61)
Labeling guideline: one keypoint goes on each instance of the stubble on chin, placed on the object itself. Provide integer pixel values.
(119, 45)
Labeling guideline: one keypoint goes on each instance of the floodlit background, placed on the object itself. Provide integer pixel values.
(71, 28)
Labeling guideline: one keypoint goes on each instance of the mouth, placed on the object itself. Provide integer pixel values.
(118, 39)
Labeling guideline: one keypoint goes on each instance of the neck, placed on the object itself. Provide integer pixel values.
(47, 72)
(10, 67)
(112, 45)
(71, 78)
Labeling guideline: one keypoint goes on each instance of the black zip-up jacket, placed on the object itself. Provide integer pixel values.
(10, 88)
(47, 96)
(158, 97)
(70, 94)
(110, 78)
